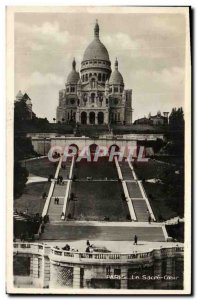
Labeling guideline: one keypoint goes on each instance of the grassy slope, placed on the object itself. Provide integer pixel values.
(32, 198)
(150, 170)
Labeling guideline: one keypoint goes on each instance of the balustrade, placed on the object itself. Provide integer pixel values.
(78, 256)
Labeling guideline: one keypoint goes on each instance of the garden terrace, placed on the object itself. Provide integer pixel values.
(42, 167)
(31, 198)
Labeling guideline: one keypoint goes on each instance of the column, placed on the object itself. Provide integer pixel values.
(106, 118)
(124, 277)
(78, 117)
(158, 267)
(36, 271)
(45, 271)
(88, 119)
(76, 278)
(96, 118)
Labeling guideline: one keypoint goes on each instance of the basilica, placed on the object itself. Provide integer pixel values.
(96, 95)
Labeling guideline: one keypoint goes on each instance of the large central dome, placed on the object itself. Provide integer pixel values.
(96, 50)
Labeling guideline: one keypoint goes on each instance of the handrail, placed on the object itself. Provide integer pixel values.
(68, 188)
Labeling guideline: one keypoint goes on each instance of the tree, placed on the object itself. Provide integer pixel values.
(176, 118)
(173, 187)
(20, 179)
(20, 114)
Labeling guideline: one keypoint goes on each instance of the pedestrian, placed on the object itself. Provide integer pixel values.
(42, 228)
(88, 243)
(87, 249)
(58, 200)
(149, 219)
(135, 239)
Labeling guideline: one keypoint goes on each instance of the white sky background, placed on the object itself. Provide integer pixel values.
(150, 49)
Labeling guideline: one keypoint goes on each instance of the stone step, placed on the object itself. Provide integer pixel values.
(134, 190)
(140, 208)
(64, 231)
(126, 170)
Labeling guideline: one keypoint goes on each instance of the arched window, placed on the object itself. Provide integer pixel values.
(86, 77)
(83, 117)
(92, 97)
(90, 75)
(103, 77)
(118, 116)
(93, 83)
(100, 117)
(92, 117)
(68, 116)
(99, 77)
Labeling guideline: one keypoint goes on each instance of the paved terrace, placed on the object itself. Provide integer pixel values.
(108, 231)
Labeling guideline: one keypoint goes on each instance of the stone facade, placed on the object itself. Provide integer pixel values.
(97, 95)
(51, 268)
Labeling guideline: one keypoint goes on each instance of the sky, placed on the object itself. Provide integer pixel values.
(150, 49)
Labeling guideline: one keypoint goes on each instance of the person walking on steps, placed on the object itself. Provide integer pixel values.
(135, 239)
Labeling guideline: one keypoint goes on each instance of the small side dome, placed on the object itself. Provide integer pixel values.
(73, 76)
(116, 77)
(19, 96)
(79, 81)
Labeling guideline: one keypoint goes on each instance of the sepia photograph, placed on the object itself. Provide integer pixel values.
(99, 140)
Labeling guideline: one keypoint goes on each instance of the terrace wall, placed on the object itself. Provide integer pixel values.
(56, 268)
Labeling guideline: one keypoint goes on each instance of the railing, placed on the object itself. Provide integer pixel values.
(68, 188)
(30, 248)
(96, 257)
(60, 255)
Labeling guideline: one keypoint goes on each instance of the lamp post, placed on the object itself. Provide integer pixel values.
(44, 145)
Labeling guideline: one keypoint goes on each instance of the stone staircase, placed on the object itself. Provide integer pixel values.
(140, 208)
(92, 130)
(126, 170)
(55, 210)
(134, 190)
(65, 172)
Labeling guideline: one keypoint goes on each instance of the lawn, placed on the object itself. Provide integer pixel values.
(157, 195)
(97, 200)
(97, 170)
(150, 169)
(31, 199)
(40, 167)
(158, 201)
